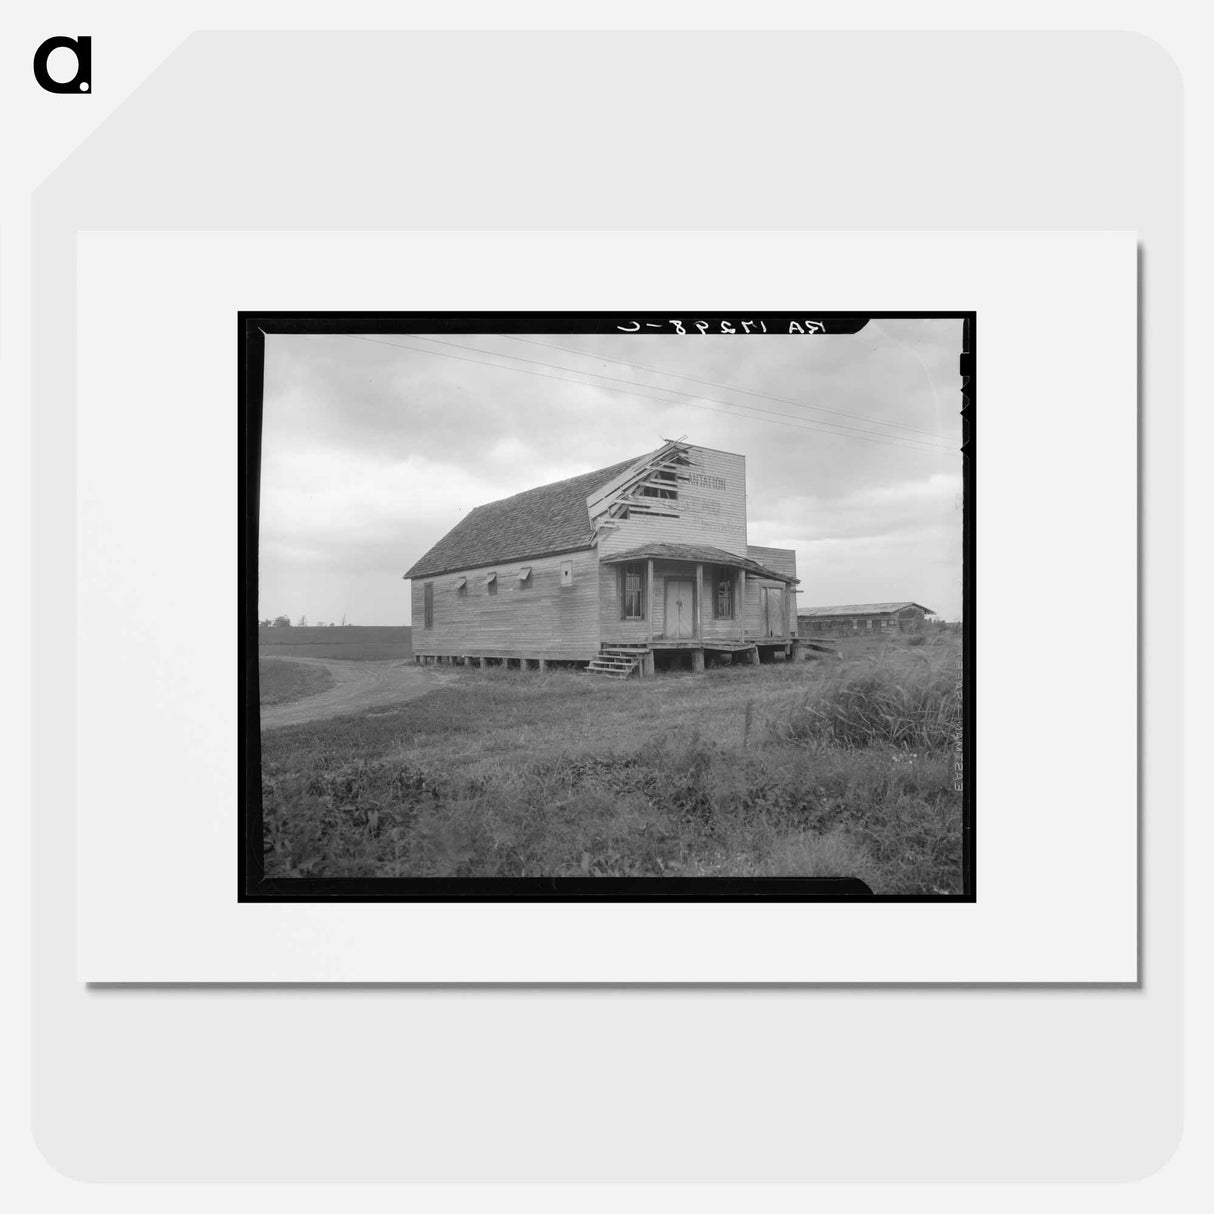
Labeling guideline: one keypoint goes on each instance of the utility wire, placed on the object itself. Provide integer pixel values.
(751, 412)
(712, 383)
(632, 383)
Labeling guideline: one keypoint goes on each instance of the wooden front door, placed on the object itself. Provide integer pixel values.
(680, 609)
(773, 611)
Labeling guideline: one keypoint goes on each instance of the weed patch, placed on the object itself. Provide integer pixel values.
(796, 769)
(911, 704)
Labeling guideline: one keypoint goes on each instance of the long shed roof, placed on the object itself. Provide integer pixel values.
(538, 522)
(861, 609)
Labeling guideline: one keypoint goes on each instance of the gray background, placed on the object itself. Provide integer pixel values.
(617, 131)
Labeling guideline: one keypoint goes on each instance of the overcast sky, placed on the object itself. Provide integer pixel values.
(373, 448)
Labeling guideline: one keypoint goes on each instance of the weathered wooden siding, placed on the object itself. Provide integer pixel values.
(544, 620)
(636, 631)
(780, 560)
(711, 508)
(721, 630)
(755, 624)
(611, 627)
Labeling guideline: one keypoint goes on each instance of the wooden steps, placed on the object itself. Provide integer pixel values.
(618, 661)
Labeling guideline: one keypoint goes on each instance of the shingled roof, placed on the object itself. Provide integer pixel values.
(537, 522)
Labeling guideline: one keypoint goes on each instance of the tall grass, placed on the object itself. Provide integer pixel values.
(795, 769)
(911, 702)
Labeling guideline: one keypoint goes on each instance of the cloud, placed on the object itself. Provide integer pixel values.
(373, 449)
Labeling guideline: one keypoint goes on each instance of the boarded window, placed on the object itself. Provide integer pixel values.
(633, 585)
(566, 573)
(491, 584)
(722, 599)
(524, 578)
(461, 585)
(428, 605)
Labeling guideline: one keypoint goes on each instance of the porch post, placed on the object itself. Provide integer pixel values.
(742, 604)
(649, 601)
(700, 602)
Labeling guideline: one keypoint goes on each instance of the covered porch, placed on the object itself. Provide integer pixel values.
(698, 599)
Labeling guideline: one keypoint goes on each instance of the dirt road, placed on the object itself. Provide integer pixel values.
(356, 685)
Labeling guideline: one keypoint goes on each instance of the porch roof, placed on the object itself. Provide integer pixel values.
(700, 554)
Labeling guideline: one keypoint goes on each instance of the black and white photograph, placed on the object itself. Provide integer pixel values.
(587, 605)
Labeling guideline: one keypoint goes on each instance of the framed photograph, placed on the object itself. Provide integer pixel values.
(746, 561)
(607, 605)
(287, 347)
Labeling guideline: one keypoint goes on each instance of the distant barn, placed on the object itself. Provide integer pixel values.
(861, 617)
(611, 568)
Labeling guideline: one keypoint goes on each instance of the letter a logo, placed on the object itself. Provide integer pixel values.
(82, 81)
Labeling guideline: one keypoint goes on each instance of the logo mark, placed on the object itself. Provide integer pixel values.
(82, 48)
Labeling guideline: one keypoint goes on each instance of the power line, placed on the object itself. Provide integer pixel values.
(615, 379)
(751, 412)
(712, 383)
(810, 425)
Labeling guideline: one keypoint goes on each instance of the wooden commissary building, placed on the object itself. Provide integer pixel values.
(639, 565)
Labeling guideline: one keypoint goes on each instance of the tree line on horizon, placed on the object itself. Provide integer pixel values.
(284, 621)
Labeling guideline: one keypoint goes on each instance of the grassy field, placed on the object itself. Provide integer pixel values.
(281, 681)
(352, 643)
(831, 767)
